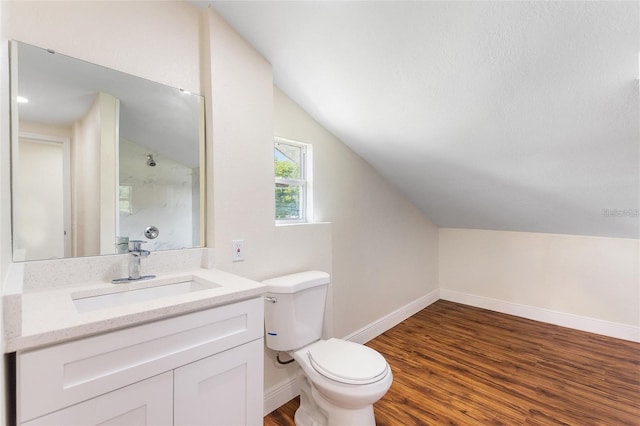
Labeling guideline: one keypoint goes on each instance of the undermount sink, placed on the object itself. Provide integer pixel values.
(88, 303)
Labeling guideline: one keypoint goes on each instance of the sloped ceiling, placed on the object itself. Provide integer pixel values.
(508, 115)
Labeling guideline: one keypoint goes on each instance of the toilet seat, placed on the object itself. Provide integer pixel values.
(347, 362)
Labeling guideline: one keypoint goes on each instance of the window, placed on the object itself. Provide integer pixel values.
(293, 181)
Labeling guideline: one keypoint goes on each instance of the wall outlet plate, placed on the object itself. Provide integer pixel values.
(238, 251)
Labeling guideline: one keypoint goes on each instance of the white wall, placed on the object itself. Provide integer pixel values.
(85, 182)
(589, 283)
(240, 108)
(384, 249)
(109, 128)
(157, 40)
(44, 129)
(380, 250)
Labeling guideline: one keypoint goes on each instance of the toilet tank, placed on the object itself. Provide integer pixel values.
(294, 309)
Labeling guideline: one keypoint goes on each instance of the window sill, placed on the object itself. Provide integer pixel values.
(286, 224)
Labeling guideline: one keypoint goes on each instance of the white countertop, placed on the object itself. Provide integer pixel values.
(49, 316)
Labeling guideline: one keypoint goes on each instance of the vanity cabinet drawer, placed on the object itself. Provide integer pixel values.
(58, 376)
(148, 403)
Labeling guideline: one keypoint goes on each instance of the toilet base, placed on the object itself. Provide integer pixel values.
(315, 410)
(309, 413)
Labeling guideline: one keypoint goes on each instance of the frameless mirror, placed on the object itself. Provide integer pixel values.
(100, 157)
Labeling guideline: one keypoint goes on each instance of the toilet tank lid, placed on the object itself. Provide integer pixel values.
(296, 282)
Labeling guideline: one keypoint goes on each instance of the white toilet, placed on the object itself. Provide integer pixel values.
(342, 379)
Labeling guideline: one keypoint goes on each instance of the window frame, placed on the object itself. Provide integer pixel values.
(304, 182)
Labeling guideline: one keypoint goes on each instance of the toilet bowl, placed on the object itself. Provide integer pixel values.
(341, 380)
(344, 380)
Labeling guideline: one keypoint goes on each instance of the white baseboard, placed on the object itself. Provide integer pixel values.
(592, 325)
(280, 394)
(376, 328)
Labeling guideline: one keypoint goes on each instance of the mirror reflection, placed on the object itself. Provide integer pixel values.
(101, 157)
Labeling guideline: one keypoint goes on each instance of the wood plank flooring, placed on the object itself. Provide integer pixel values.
(459, 365)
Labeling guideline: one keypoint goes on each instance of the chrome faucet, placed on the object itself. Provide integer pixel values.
(135, 254)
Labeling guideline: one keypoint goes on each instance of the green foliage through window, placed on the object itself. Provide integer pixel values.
(288, 203)
(289, 162)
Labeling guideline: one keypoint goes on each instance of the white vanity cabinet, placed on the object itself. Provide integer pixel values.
(204, 367)
(146, 403)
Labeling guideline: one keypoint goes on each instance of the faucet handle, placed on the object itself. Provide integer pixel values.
(136, 245)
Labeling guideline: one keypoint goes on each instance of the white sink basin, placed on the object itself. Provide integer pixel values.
(126, 297)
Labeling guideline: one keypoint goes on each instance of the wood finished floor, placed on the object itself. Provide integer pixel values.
(459, 365)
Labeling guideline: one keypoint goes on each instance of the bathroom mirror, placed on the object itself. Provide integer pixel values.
(100, 157)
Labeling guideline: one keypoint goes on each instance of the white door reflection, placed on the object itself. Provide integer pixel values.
(42, 173)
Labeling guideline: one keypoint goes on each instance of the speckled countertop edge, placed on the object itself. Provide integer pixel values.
(50, 317)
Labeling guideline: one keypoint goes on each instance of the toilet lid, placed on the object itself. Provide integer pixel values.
(348, 362)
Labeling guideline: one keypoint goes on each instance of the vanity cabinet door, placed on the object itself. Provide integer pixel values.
(223, 389)
(146, 403)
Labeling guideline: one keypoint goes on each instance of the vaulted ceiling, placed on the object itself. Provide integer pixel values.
(491, 115)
